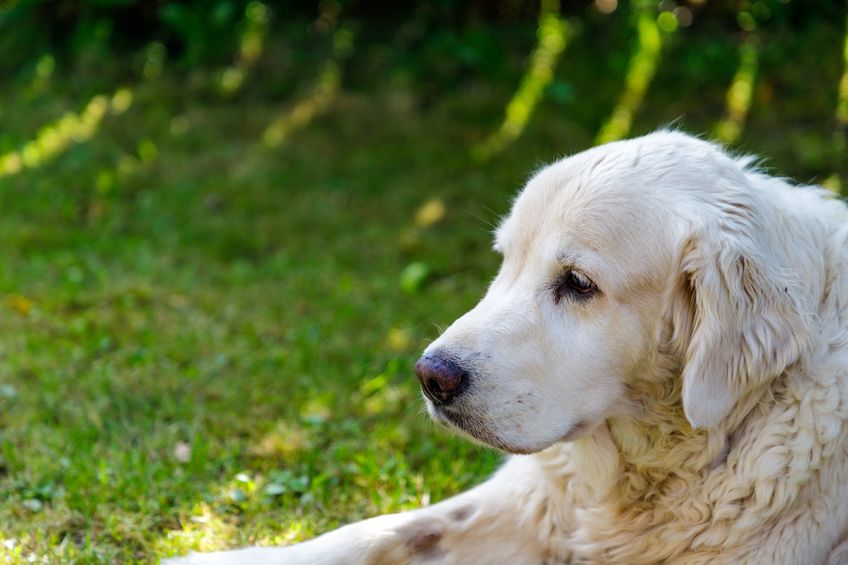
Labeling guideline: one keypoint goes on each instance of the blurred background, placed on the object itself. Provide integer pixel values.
(228, 228)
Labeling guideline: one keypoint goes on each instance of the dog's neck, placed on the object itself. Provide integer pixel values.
(633, 457)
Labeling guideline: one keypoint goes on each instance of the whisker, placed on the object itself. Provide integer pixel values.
(481, 218)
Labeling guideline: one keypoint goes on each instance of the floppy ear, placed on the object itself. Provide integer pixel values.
(738, 317)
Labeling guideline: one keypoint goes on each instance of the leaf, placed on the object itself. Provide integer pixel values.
(33, 505)
(412, 278)
(274, 489)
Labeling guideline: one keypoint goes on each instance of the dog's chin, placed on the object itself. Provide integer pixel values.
(479, 430)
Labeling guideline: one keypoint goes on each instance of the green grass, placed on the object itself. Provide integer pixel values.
(206, 343)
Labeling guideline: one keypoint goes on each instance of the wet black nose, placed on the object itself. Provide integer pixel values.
(441, 379)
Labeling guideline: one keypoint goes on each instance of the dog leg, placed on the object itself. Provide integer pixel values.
(505, 520)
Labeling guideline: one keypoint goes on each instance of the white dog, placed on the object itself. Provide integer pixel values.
(666, 346)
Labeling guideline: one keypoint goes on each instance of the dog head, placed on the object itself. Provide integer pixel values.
(612, 259)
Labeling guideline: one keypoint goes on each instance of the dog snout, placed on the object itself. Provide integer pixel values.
(441, 379)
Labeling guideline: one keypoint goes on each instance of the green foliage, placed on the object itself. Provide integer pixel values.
(200, 26)
(196, 32)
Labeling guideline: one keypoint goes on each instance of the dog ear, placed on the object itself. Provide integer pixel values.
(737, 320)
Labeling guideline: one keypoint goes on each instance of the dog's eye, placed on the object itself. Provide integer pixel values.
(573, 284)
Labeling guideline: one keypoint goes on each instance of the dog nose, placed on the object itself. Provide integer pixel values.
(441, 379)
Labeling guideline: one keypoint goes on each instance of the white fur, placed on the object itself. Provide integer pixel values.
(693, 411)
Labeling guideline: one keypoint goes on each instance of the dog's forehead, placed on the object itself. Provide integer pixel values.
(624, 176)
(582, 206)
(595, 208)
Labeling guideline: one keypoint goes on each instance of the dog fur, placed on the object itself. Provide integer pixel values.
(691, 408)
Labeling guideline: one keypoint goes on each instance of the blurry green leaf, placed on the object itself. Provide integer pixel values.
(413, 276)
(286, 480)
(8, 391)
(237, 495)
(33, 505)
(274, 489)
(561, 91)
(373, 385)
(222, 12)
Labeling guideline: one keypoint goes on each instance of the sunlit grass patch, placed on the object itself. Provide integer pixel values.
(739, 94)
(53, 139)
(835, 182)
(319, 99)
(640, 72)
(552, 38)
(251, 43)
(305, 110)
(203, 530)
(842, 99)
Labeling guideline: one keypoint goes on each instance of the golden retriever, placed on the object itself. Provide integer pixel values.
(665, 350)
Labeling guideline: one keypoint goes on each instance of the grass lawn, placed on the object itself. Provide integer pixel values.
(207, 342)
